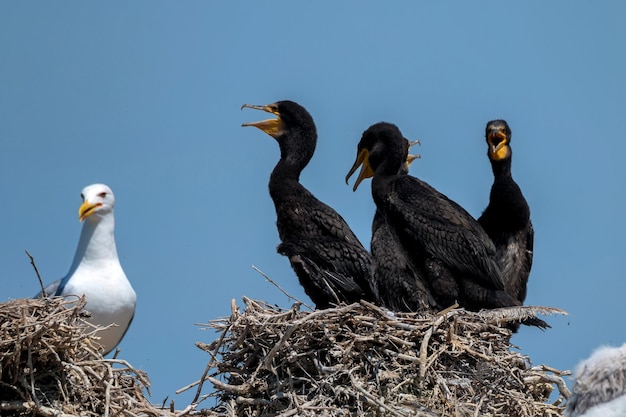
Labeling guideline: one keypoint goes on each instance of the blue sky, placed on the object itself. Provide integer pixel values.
(145, 96)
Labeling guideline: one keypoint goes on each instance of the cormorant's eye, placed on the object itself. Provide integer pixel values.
(102, 194)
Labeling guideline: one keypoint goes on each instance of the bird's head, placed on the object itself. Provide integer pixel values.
(382, 149)
(498, 136)
(293, 128)
(98, 199)
(290, 117)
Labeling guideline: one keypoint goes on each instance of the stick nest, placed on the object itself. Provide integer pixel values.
(50, 365)
(361, 360)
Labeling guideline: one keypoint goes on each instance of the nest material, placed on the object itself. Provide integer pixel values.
(361, 360)
(50, 366)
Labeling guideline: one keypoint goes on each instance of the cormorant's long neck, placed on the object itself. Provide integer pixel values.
(390, 166)
(96, 243)
(287, 169)
(295, 153)
(502, 168)
(507, 197)
(388, 163)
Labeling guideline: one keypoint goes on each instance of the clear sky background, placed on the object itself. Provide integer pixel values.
(145, 96)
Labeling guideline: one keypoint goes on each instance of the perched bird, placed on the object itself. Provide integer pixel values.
(400, 283)
(330, 262)
(507, 217)
(96, 272)
(447, 244)
(600, 387)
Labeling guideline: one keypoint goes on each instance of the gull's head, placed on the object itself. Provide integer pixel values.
(98, 200)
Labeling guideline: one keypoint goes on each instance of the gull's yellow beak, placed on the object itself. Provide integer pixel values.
(87, 209)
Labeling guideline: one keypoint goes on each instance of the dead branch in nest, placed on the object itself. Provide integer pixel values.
(274, 283)
(51, 366)
(362, 360)
(32, 262)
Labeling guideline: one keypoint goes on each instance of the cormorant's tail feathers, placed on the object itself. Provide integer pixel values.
(536, 322)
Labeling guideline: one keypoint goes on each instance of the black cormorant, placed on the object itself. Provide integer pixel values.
(400, 283)
(446, 242)
(330, 262)
(507, 217)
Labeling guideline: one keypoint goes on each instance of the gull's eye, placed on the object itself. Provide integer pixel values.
(102, 194)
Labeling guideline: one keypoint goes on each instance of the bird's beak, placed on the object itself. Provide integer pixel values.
(366, 170)
(269, 126)
(415, 142)
(87, 209)
(497, 145)
(412, 157)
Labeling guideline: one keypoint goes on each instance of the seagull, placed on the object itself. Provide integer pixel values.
(96, 272)
(600, 387)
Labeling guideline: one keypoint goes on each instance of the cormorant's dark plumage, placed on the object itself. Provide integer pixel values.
(507, 217)
(330, 262)
(455, 253)
(400, 283)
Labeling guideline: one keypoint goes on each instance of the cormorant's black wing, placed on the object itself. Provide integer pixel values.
(330, 271)
(401, 285)
(443, 228)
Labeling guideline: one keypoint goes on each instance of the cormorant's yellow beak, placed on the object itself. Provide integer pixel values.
(366, 170)
(270, 126)
(87, 209)
(412, 157)
(414, 142)
(498, 148)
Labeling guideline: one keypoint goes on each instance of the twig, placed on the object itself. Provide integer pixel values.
(32, 262)
(267, 362)
(271, 281)
(31, 374)
(210, 365)
(107, 393)
(200, 382)
(553, 379)
(31, 407)
(187, 410)
(426, 339)
(237, 389)
(373, 399)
